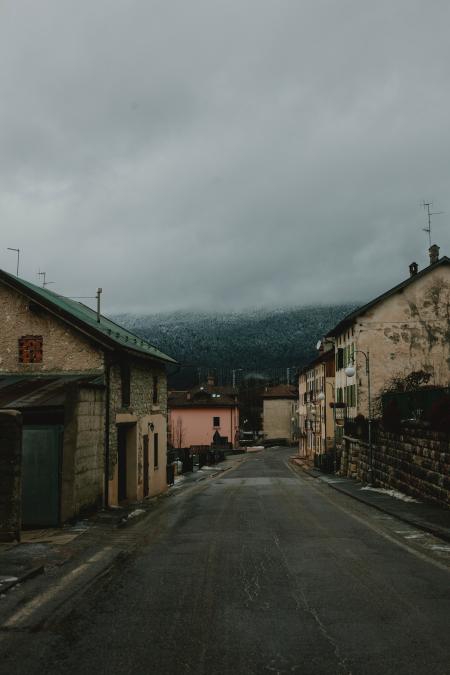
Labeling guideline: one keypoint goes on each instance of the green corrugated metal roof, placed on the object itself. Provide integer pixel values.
(106, 328)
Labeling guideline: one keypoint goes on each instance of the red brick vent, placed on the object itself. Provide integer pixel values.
(30, 349)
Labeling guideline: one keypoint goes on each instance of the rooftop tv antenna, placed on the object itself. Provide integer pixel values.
(17, 250)
(44, 282)
(427, 206)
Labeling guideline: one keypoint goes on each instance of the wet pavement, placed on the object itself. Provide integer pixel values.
(260, 569)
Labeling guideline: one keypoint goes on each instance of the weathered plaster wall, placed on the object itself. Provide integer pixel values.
(139, 414)
(277, 418)
(64, 348)
(409, 331)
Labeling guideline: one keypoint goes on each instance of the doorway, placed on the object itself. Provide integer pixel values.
(41, 475)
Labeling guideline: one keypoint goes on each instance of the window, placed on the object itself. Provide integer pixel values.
(155, 390)
(216, 421)
(30, 349)
(125, 383)
(155, 450)
(340, 358)
(146, 467)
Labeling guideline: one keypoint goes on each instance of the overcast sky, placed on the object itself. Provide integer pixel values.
(223, 154)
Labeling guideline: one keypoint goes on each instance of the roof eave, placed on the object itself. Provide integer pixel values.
(351, 318)
(84, 328)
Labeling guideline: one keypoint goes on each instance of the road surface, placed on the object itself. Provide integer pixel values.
(260, 570)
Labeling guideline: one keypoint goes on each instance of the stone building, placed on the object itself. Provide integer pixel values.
(280, 416)
(109, 388)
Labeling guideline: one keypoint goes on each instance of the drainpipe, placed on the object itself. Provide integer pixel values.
(107, 416)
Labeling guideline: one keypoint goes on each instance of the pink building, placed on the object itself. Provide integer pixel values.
(199, 416)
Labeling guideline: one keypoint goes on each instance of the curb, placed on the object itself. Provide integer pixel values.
(28, 574)
(436, 531)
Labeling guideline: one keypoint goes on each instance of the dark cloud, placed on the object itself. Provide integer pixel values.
(220, 155)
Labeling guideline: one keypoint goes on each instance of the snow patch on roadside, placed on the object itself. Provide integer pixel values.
(135, 513)
(392, 493)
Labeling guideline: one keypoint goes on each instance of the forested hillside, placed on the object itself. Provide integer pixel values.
(260, 341)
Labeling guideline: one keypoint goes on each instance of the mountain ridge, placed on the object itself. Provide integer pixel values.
(257, 339)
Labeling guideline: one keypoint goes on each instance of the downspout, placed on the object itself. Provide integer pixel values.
(107, 416)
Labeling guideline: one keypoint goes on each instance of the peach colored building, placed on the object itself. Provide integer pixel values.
(198, 415)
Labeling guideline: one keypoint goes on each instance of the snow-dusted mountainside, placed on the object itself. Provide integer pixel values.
(257, 340)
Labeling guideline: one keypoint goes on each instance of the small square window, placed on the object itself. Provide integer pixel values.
(30, 349)
(216, 421)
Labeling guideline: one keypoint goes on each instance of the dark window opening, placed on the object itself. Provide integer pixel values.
(30, 349)
(216, 421)
(146, 466)
(125, 383)
(155, 390)
(155, 450)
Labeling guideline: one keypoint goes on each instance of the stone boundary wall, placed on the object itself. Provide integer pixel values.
(414, 461)
(10, 474)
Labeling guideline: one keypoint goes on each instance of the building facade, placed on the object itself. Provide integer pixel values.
(403, 331)
(280, 413)
(112, 446)
(199, 416)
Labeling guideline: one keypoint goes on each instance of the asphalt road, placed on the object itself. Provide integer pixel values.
(259, 570)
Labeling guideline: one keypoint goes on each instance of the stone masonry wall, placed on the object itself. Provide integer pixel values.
(83, 454)
(64, 348)
(415, 461)
(10, 474)
(89, 472)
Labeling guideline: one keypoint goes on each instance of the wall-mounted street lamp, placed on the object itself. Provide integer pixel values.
(350, 372)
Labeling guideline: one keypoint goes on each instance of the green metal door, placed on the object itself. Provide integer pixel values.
(41, 458)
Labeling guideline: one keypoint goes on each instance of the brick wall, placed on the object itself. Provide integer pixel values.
(10, 471)
(415, 461)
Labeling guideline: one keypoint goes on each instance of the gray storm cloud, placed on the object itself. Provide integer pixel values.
(221, 155)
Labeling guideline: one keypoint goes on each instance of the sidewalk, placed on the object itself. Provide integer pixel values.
(44, 550)
(427, 517)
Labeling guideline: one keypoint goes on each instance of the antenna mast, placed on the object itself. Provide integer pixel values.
(17, 250)
(427, 205)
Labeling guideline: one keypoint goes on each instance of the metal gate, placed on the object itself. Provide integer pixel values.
(41, 463)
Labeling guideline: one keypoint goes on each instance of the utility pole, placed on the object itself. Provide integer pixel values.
(427, 205)
(233, 375)
(17, 250)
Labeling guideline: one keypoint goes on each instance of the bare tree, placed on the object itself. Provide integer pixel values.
(178, 433)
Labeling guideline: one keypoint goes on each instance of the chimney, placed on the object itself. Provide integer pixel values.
(413, 269)
(434, 254)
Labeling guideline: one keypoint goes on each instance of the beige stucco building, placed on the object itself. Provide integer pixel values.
(316, 417)
(280, 413)
(113, 418)
(405, 330)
